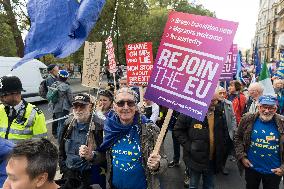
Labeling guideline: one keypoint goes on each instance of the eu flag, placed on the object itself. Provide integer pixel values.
(256, 61)
(239, 66)
(59, 27)
(280, 66)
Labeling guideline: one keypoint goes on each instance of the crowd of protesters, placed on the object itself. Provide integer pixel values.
(110, 140)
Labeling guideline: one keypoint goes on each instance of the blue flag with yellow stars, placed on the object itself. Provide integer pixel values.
(59, 27)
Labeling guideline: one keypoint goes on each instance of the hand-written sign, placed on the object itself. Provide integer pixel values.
(189, 62)
(139, 60)
(110, 55)
(91, 64)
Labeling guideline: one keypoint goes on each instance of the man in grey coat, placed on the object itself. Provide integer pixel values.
(51, 78)
(64, 102)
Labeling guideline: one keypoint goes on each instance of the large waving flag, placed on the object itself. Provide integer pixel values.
(265, 80)
(59, 27)
(256, 61)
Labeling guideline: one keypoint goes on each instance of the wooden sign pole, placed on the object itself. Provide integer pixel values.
(163, 132)
(141, 94)
(114, 82)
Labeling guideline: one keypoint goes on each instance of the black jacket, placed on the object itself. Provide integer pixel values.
(194, 136)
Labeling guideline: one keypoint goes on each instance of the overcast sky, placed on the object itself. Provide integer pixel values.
(244, 12)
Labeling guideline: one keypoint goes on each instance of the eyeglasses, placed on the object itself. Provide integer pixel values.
(130, 103)
(269, 108)
(222, 93)
(78, 105)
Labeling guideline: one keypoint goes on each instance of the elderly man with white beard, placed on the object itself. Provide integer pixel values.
(259, 145)
(78, 172)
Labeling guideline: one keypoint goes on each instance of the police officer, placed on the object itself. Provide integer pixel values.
(18, 118)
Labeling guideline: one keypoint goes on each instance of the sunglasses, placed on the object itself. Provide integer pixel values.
(130, 103)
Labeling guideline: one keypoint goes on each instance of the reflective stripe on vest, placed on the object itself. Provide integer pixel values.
(26, 131)
(44, 135)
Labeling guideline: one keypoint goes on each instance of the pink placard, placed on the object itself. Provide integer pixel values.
(234, 60)
(227, 72)
(189, 62)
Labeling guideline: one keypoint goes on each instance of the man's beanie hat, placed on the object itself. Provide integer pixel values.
(82, 99)
(50, 67)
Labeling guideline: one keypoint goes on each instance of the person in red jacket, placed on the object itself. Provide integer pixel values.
(237, 98)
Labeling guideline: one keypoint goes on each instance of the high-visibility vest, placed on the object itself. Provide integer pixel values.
(33, 127)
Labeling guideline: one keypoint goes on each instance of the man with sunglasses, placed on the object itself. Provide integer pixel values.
(18, 119)
(259, 145)
(79, 171)
(129, 140)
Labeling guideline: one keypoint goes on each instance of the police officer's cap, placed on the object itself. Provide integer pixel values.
(9, 84)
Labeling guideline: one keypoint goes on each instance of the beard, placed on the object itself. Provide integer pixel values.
(81, 116)
(266, 116)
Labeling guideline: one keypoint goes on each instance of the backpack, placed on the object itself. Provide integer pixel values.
(42, 90)
(52, 93)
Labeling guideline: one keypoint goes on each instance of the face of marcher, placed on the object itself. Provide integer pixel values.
(266, 112)
(213, 104)
(278, 84)
(254, 92)
(125, 107)
(11, 99)
(232, 89)
(18, 177)
(222, 94)
(122, 83)
(106, 103)
(54, 71)
(82, 112)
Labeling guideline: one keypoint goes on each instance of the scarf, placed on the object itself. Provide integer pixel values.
(115, 130)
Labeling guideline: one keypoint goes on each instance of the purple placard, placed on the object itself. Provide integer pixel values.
(227, 71)
(235, 55)
(189, 62)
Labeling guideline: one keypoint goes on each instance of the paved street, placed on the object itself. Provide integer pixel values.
(173, 178)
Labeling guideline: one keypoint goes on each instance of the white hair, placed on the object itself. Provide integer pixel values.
(258, 86)
(126, 90)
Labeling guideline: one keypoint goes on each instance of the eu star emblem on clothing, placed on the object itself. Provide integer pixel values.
(59, 27)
